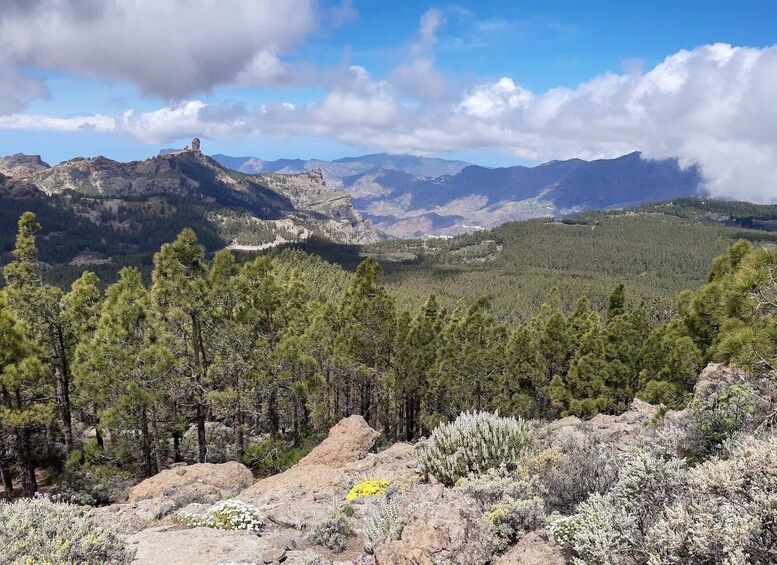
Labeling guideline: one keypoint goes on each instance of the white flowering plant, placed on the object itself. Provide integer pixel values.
(230, 514)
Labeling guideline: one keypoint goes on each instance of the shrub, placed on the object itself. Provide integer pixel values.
(368, 487)
(727, 514)
(384, 522)
(474, 443)
(717, 419)
(513, 503)
(332, 532)
(95, 485)
(574, 470)
(228, 514)
(314, 559)
(39, 531)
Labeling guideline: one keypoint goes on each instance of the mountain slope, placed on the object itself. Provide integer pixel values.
(411, 196)
(96, 208)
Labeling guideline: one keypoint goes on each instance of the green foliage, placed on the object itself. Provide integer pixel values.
(716, 420)
(272, 456)
(474, 443)
(40, 531)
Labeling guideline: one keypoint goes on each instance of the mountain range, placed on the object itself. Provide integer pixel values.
(409, 196)
(94, 209)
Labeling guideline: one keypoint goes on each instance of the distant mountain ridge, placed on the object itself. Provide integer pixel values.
(408, 196)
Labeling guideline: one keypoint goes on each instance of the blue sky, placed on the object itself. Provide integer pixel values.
(493, 82)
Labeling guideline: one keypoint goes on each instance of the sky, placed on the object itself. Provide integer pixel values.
(494, 82)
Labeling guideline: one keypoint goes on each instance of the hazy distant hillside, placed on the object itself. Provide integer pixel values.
(336, 171)
(412, 196)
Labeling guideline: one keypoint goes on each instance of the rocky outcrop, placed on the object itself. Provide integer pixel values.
(348, 441)
(533, 549)
(21, 166)
(173, 545)
(618, 430)
(303, 495)
(203, 482)
(445, 528)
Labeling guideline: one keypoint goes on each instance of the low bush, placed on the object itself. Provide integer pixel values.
(575, 469)
(272, 456)
(384, 522)
(661, 511)
(228, 514)
(332, 532)
(512, 502)
(38, 531)
(474, 443)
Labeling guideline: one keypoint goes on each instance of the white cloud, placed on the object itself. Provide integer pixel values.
(712, 106)
(75, 123)
(171, 48)
(491, 100)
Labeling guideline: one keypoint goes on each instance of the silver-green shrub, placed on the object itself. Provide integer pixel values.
(384, 522)
(40, 531)
(512, 502)
(333, 531)
(474, 443)
(663, 512)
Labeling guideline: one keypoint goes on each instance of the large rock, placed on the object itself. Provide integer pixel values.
(534, 548)
(303, 495)
(172, 545)
(203, 482)
(350, 440)
(445, 528)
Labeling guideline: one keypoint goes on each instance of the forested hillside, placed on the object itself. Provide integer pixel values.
(267, 354)
(656, 251)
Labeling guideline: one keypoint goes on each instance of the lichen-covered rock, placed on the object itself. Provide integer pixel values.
(533, 549)
(444, 528)
(132, 517)
(203, 482)
(350, 440)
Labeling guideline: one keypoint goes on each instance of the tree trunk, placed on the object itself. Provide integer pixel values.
(26, 462)
(145, 444)
(239, 441)
(160, 463)
(62, 374)
(177, 446)
(199, 369)
(5, 467)
(273, 421)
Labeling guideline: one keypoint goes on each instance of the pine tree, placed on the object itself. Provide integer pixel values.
(24, 394)
(180, 296)
(39, 307)
(125, 367)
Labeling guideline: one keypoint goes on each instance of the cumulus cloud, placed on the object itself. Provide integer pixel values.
(172, 48)
(712, 106)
